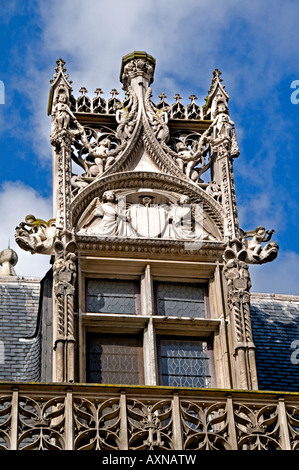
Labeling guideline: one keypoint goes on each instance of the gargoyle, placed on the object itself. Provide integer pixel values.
(256, 254)
(36, 235)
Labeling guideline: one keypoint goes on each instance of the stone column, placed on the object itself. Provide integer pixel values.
(64, 274)
(238, 303)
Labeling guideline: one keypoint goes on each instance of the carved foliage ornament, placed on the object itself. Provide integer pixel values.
(238, 282)
(64, 277)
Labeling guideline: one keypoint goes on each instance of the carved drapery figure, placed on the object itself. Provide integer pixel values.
(105, 218)
(192, 153)
(186, 159)
(221, 133)
(36, 235)
(182, 220)
(222, 125)
(95, 151)
(64, 123)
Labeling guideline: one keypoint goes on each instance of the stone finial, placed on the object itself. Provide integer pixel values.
(8, 259)
(137, 64)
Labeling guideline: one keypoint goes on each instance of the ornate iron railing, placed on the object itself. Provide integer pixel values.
(98, 417)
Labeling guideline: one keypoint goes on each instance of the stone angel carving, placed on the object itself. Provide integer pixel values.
(104, 218)
(36, 235)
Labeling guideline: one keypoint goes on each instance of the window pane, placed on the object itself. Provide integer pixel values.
(114, 359)
(185, 363)
(180, 300)
(111, 296)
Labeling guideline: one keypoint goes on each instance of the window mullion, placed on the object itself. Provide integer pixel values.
(149, 336)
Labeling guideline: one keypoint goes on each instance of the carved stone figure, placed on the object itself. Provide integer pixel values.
(62, 113)
(36, 235)
(106, 218)
(182, 219)
(125, 114)
(78, 183)
(256, 254)
(214, 190)
(186, 158)
(222, 124)
(63, 119)
(221, 133)
(102, 160)
(157, 118)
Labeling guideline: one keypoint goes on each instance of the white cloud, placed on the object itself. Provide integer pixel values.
(17, 201)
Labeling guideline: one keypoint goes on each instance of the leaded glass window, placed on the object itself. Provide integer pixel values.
(185, 363)
(112, 296)
(180, 299)
(114, 359)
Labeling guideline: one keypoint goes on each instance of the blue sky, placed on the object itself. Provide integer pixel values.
(254, 44)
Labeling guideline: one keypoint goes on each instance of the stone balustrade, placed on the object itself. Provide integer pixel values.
(100, 417)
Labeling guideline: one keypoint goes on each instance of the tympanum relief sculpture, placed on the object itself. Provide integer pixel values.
(140, 216)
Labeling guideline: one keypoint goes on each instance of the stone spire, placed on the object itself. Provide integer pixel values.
(8, 259)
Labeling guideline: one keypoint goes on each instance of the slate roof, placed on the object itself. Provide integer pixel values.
(19, 344)
(275, 324)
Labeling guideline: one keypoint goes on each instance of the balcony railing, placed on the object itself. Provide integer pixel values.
(98, 417)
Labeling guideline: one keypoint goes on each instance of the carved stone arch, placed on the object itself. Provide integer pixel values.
(127, 182)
